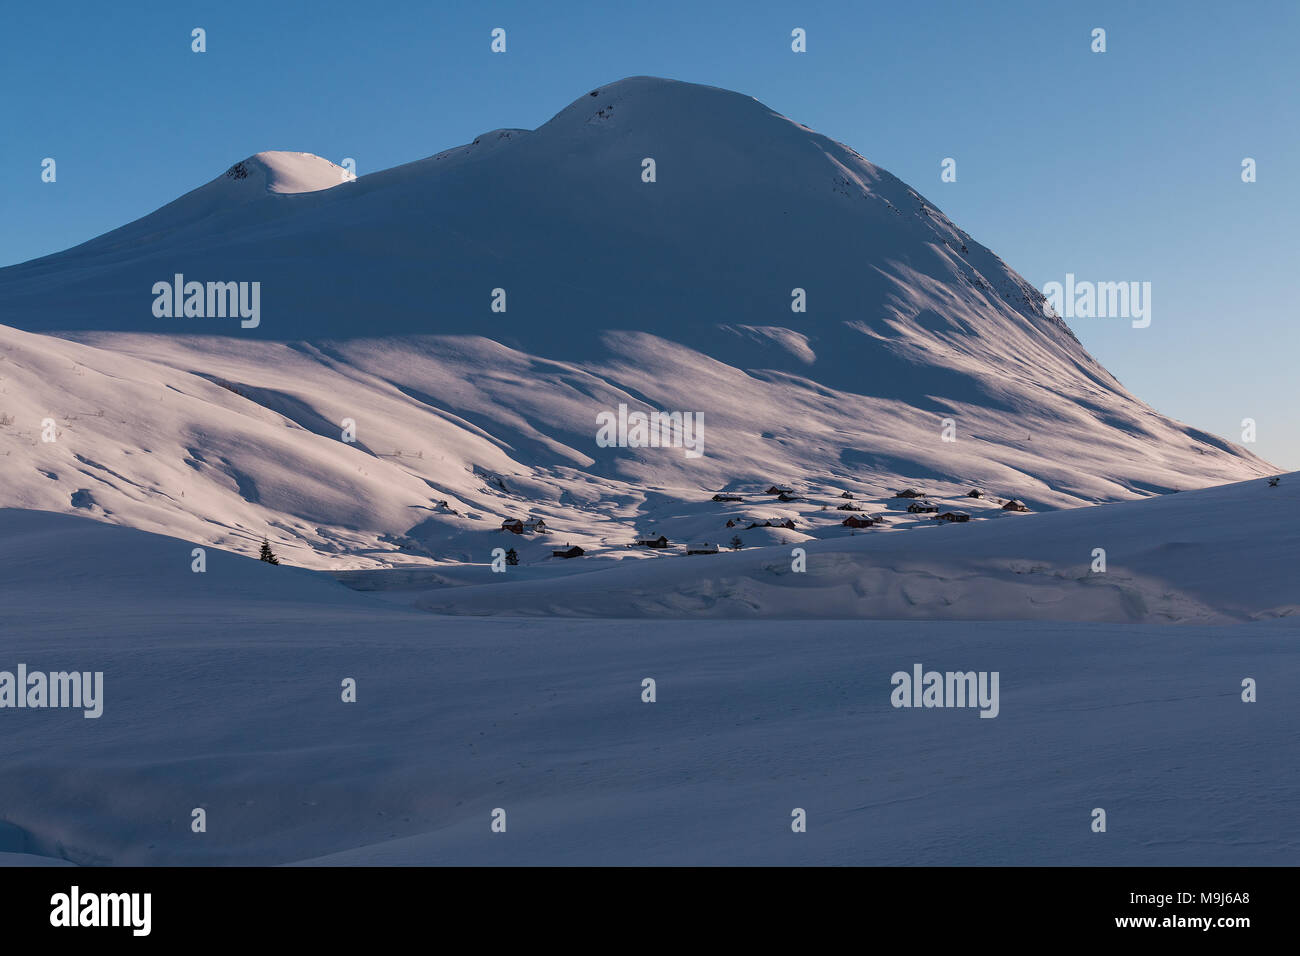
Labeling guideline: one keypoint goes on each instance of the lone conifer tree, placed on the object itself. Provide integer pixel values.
(266, 554)
(511, 557)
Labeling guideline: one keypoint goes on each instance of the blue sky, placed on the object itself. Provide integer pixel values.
(1115, 166)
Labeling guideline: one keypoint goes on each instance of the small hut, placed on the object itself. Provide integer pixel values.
(702, 548)
(573, 552)
(853, 521)
(910, 493)
(657, 543)
(956, 516)
(513, 525)
(1015, 504)
(923, 507)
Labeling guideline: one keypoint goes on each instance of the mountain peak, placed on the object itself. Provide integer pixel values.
(240, 191)
(652, 103)
(286, 173)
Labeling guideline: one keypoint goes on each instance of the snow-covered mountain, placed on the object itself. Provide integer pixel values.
(375, 304)
(368, 411)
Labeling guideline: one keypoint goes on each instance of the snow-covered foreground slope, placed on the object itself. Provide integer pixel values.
(376, 307)
(222, 692)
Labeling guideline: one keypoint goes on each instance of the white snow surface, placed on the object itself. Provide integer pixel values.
(222, 691)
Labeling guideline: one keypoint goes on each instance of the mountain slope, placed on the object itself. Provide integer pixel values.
(376, 306)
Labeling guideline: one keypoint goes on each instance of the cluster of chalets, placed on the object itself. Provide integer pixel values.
(858, 518)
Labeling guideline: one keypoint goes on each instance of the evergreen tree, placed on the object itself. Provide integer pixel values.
(511, 557)
(736, 543)
(267, 554)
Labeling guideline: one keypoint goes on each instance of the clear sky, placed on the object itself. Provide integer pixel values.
(1115, 166)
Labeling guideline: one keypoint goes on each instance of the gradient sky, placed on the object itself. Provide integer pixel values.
(1120, 166)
